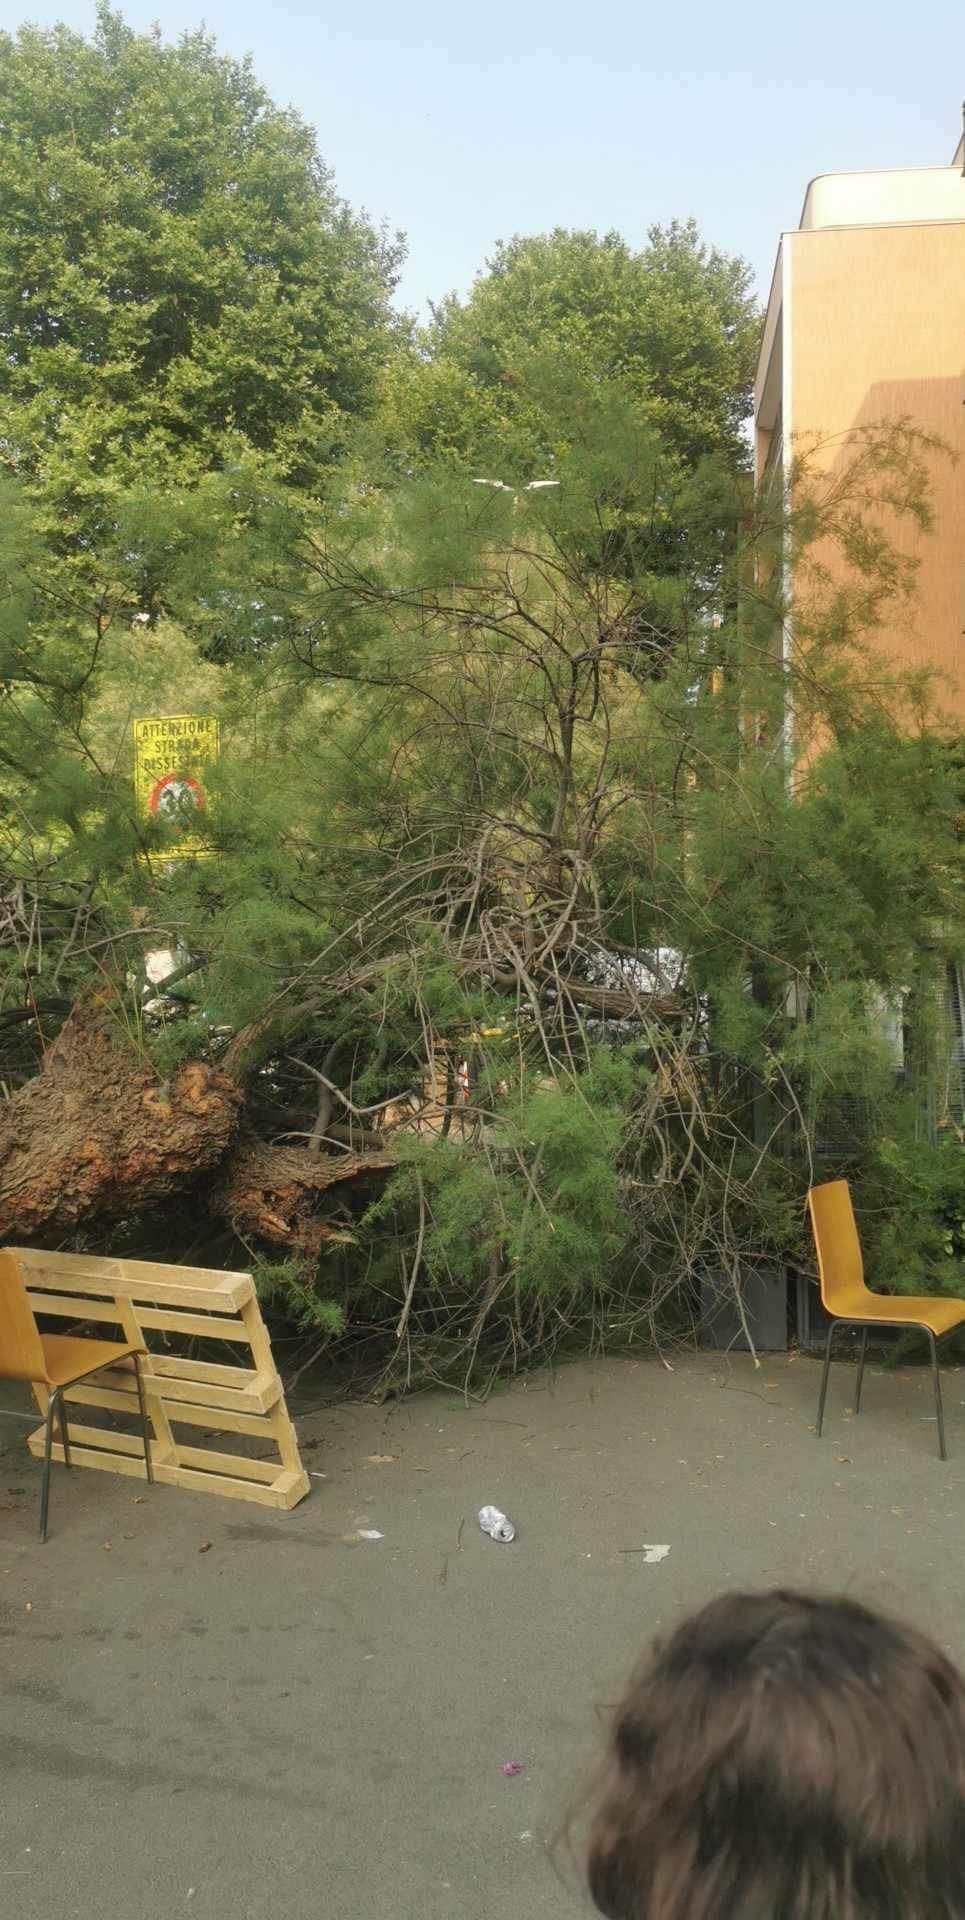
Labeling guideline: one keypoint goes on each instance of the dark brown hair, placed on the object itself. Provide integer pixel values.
(785, 1757)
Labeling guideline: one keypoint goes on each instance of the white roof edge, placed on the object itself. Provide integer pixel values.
(866, 173)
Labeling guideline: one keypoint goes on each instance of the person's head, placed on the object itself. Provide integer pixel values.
(785, 1757)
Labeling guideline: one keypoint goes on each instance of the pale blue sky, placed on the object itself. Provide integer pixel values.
(465, 124)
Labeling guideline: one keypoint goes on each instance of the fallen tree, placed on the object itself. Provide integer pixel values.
(490, 867)
(98, 1135)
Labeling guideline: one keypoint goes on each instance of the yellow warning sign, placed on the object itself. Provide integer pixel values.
(171, 755)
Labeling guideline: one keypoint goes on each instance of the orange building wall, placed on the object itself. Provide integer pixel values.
(877, 328)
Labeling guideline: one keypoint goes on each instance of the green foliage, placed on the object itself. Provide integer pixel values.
(546, 1206)
(675, 323)
(290, 1285)
(171, 1042)
(911, 1196)
(175, 268)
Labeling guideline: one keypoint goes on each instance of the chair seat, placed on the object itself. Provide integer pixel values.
(68, 1357)
(933, 1311)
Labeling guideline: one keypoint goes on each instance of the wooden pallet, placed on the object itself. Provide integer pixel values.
(147, 1301)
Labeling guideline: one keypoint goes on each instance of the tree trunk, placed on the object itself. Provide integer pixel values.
(97, 1135)
(271, 1193)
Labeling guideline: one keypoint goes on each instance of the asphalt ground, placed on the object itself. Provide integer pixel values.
(213, 1710)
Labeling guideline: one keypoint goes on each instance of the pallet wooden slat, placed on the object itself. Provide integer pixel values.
(139, 1278)
(253, 1395)
(197, 1326)
(242, 1468)
(142, 1297)
(218, 1419)
(142, 1280)
(281, 1491)
(183, 1369)
(76, 1306)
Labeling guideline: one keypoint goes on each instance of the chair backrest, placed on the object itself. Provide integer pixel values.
(837, 1244)
(21, 1353)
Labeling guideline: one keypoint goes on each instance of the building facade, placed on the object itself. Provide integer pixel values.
(866, 321)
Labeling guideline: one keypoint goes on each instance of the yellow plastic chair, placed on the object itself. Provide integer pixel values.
(55, 1361)
(850, 1303)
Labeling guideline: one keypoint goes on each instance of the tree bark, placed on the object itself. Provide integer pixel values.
(271, 1193)
(96, 1134)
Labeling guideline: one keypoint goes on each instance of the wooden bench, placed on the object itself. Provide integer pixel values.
(148, 1302)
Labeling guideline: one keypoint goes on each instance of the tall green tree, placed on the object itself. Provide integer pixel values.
(676, 321)
(177, 270)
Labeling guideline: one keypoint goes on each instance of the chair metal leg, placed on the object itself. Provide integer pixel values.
(939, 1410)
(824, 1376)
(52, 1406)
(861, 1359)
(62, 1422)
(144, 1426)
